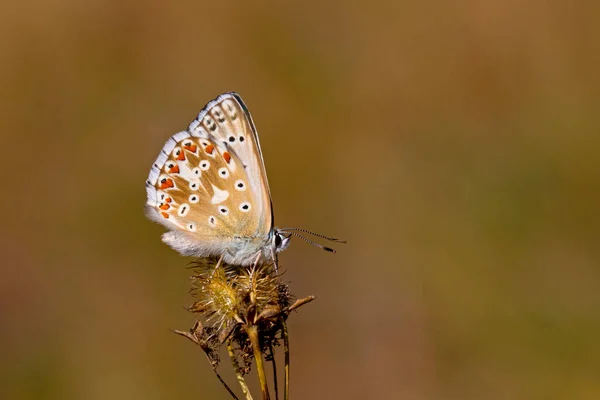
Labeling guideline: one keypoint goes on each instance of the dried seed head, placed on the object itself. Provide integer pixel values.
(228, 295)
(217, 297)
(244, 308)
(261, 288)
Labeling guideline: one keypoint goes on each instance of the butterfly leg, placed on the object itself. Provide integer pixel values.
(217, 266)
(274, 257)
(256, 260)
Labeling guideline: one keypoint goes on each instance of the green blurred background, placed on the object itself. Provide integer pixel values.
(453, 144)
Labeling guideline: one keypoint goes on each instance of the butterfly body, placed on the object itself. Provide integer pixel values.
(209, 187)
(236, 251)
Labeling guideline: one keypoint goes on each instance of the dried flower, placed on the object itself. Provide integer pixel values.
(246, 309)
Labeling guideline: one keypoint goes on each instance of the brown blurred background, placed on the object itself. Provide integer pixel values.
(453, 144)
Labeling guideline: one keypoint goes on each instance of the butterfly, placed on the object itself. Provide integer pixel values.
(209, 187)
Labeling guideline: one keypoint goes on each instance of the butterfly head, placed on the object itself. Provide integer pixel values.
(281, 240)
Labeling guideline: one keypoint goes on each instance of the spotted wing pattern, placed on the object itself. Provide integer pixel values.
(228, 121)
(208, 184)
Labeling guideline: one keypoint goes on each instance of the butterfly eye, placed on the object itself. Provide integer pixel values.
(223, 172)
(240, 185)
(245, 207)
(277, 241)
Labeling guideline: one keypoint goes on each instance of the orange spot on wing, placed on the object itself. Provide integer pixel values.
(174, 170)
(164, 206)
(164, 214)
(180, 156)
(191, 147)
(227, 157)
(168, 183)
(209, 149)
(168, 199)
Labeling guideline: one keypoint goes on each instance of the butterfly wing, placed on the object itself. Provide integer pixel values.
(209, 185)
(228, 120)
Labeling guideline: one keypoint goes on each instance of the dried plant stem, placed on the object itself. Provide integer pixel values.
(193, 337)
(252, 332)
(274, 364)
(226, 385)
(238, 373)
(299, 303)
(286, 347)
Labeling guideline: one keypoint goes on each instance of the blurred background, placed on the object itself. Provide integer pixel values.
(453, 144)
